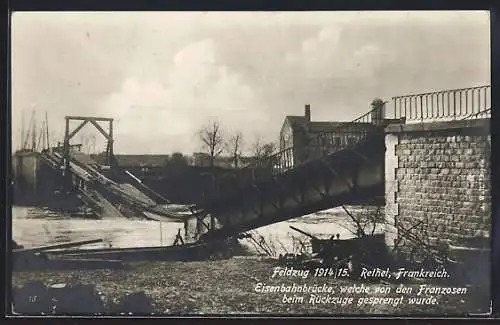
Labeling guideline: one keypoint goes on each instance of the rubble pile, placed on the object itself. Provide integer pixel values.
(34, 298)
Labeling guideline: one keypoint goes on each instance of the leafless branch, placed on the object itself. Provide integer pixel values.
(212, 140)
(234, 147)
(261, 149)
(360, 229)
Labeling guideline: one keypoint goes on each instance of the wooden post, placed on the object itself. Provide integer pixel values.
(198, 224)
(35, 173)
(212, 222)
(68, 182)
(33, 135)
(161, 235)
(22, 130)
(110, 143)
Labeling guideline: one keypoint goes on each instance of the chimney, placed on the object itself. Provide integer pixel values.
(377, 113)
(307, 113)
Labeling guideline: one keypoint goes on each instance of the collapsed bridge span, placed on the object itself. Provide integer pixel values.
(106, 188)
(344, 166)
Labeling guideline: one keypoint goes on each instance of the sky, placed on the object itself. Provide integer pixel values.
(164, 75)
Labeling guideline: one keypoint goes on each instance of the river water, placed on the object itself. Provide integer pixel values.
(33, 227)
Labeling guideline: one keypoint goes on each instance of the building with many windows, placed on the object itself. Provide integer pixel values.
(305, 138)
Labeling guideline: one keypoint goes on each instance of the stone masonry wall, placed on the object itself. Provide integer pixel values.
(438, 186)
(26, 167)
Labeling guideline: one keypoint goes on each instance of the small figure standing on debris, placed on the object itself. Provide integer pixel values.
(178, 238)
(186, 225)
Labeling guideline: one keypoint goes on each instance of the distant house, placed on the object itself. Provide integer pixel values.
(305, 137)
(202, 159)
(247, 160)
(144, 163)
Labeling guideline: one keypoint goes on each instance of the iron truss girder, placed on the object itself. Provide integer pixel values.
(286, 214)
(318, 176)
(303, 182)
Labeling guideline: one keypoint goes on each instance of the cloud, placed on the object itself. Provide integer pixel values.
(167, 115)
(163, 75)
(324, 56)
(342, 67)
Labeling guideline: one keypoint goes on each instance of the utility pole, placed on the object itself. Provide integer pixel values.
(22, 130)
(33, 135)
(42, 134)
(26, 137)
(47, 130)
(41, 137)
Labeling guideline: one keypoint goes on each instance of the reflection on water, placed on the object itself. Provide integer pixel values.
(33, 227)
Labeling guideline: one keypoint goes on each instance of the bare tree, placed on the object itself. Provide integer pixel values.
(234, 147)
(262, 149)
(257, 147)
(269, 149)
(367, 221)
(212, 140)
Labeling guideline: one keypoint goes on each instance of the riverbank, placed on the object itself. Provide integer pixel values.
(229, 287)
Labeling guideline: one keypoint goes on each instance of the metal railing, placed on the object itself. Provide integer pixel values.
(444, 105)
(479, 115)
(319, 146)
(464, 103)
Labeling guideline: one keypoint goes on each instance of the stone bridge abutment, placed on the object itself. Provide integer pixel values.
(437, 189)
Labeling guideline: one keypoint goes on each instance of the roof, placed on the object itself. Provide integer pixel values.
(296, 121)
(138, 160)
(142, 160)
(317, 127)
